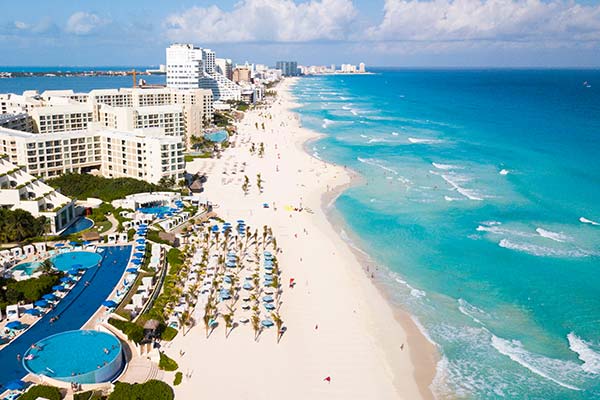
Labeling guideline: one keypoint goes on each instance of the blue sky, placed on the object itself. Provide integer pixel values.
(497, 33)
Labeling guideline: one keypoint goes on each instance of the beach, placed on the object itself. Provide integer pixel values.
(343, 340)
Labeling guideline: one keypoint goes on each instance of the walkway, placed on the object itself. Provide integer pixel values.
(74, 309)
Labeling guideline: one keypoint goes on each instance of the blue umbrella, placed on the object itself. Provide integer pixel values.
(109, 304)
(267, 323)
(136, 261)
(15, 385)
(73, 272)
(132, 270)
(143, 226)
(139, 254)
(77, 266)
(269, 267)
(13, 325)
(267, 299)
(240, 221)
(141, 241)
(59, 245)
(49, 297)
(227, 279)
(74, 243)
(58, 288)
(248, 286)
(33, 311)
(140, 248)
(269, 306)
(215, 228)
(65, 279)
(41, 303)
(86, 242)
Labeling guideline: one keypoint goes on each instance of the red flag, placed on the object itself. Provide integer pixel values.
(328, 379)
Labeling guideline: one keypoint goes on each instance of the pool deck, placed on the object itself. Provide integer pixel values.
(74, 310)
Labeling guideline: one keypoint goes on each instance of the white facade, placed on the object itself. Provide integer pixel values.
(190, 67)
(145, 154)
(20, 190)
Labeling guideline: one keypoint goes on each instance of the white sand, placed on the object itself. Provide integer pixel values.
(358, 339)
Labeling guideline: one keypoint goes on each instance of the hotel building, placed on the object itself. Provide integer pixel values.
(287, 68)
(20, 190)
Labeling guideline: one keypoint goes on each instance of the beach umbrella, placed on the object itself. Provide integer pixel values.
(49, 297)
(215, 228)
(41, 303)
(140, 248)
(248, 286)
(74, 243)
(13, 325)
(266, 323)
(109, 304)
(269, 267)
(269, 306)
(240, 221)
(132, 270)
(58, 288)
(141, 241)
(33, 311)
(15, 385)
(59, 245)
(77, 266)
(136, 261)
(139, 255)
(73, 272)
(267, 254)
(65, 279)
(86, 242)
(227, 279)
(268, 299)
(143, 226)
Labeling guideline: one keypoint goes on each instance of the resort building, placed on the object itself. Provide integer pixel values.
(224, 66)
(20, 122)
(287, 68)
(169, 118)
(241, 74)
(20, 190)
(61, 118)
(143, 154)
(190, 67)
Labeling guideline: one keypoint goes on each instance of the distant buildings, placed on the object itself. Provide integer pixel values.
(344, 69)
(21, 190)
(287, 68)
(241, 74)
(224, 66)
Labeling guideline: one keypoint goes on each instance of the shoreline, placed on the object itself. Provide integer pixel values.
(339, 325)
(423, 352)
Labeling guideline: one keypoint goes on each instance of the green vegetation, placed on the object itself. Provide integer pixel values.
(166, 363)
(153, 237)
(151, 390)
(222, 119)
(30, 290)
(43, 391)
(134, 332)
(168, 333)
(178, 378)
(90, 395)
(82, 186)
(18, 225)
(175, 259)
(191, 157)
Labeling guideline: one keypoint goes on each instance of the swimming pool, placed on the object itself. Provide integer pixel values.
(218, 136)
(76, 259)
(28, 268)
(161, 211)
(76, 356)
(80, 225)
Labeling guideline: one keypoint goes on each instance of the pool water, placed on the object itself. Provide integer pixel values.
(80, 225)
(217, 137)
(76, 356)
(75, 259)
(28, 267)
(160, 211)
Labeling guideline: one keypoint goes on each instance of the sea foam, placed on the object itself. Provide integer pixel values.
(556, 236)
(590, 358)
(543, 251)
(423, 141)
(377, 163)
(588, 221)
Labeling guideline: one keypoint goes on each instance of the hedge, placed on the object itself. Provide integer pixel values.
(166, 363)
(47, 392)
(134, 332)
(151, 390)
(178, 378)
(168, 333)
(90, 395)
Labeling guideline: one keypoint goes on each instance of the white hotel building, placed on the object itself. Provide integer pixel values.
(190, 67)
(20, 190)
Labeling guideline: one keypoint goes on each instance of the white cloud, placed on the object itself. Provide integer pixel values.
(483, 21)
(264, 20)
(21, 25)
(83, 23)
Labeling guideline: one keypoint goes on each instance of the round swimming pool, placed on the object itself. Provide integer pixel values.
(160, 211)
(80, 225)
(217, 136)
(76, 356)
(76, 259)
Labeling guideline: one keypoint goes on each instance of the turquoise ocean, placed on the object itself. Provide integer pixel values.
(481, 206)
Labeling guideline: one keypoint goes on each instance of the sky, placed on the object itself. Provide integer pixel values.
(405, 33)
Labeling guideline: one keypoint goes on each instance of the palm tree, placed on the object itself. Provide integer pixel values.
(46, 267)
(255, 325)
(185, 319)
(278, 323)
(228, 319)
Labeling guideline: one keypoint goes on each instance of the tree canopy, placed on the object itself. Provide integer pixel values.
(17, 225)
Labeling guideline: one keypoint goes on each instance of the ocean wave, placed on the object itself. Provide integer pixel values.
(545, 367)
(496, 229)
(377, 140)
(354, 112)
(588, 221)
(448, 198)
(455, 180)
(504, 172)
(556, 236)
(377, 163)
(590, 358)
(395, 133)
(445, 167)
(326, 123)
(471, 311)
(423, 141)
(543, 251)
